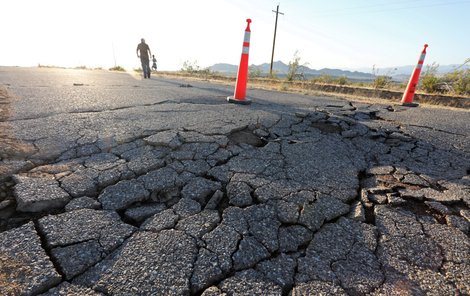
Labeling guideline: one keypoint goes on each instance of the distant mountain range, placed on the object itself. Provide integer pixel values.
(281, 69)
(401, 73)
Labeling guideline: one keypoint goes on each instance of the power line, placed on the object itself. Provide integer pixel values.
(383, 8)
(368, 6)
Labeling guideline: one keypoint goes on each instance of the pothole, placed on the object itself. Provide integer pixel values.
(246, 137)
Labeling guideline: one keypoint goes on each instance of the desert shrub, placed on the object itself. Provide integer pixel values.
(459, 80)
(381, 80)
(205, 71)
(430, 82)
(323, 78)
(294, 68)
(455, 82)
(254, 72)
(343, 80)
(190, 66)
(117, 68)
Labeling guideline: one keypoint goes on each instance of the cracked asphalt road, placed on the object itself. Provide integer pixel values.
(112, 185)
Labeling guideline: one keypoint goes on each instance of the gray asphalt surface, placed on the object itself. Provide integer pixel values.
(115, 185)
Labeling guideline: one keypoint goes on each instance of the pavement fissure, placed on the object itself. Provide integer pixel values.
(280, 199)
(45, 247)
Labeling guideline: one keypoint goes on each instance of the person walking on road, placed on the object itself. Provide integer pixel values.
(154, 64)
(143, 52)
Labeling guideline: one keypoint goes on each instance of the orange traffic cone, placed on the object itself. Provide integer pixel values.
(407, 99)
(242, 76)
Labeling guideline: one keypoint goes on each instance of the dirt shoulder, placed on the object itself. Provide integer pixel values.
(354, 93)
(4, 102)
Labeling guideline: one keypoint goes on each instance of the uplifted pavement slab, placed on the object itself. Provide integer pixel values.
(39, 193)
(25, 268)
(122, 195)
(79, 239)
(164, 138)
(294, 195)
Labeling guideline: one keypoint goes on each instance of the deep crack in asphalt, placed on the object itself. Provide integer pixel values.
(292, 202)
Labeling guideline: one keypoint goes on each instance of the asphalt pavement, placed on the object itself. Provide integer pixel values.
(111, 184)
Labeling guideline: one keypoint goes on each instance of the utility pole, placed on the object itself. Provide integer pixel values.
(274, 41)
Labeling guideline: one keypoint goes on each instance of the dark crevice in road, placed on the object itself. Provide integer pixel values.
(126, 219)
(42, 237)
(369, 215)
(224, 202)
(142, 105)
(353, 108)
(17, 219)
(386, 192)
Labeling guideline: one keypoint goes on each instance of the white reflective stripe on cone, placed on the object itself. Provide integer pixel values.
(247, 37)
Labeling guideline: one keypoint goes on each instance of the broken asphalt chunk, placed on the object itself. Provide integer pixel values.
(152, 264)
(123, 194)
(36, 194)
(164, 138)
(25, 268)
(81, 238)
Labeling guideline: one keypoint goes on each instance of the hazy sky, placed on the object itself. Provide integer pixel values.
(334, 33)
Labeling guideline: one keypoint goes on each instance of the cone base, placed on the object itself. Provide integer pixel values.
(231, 99)
(410, 104)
